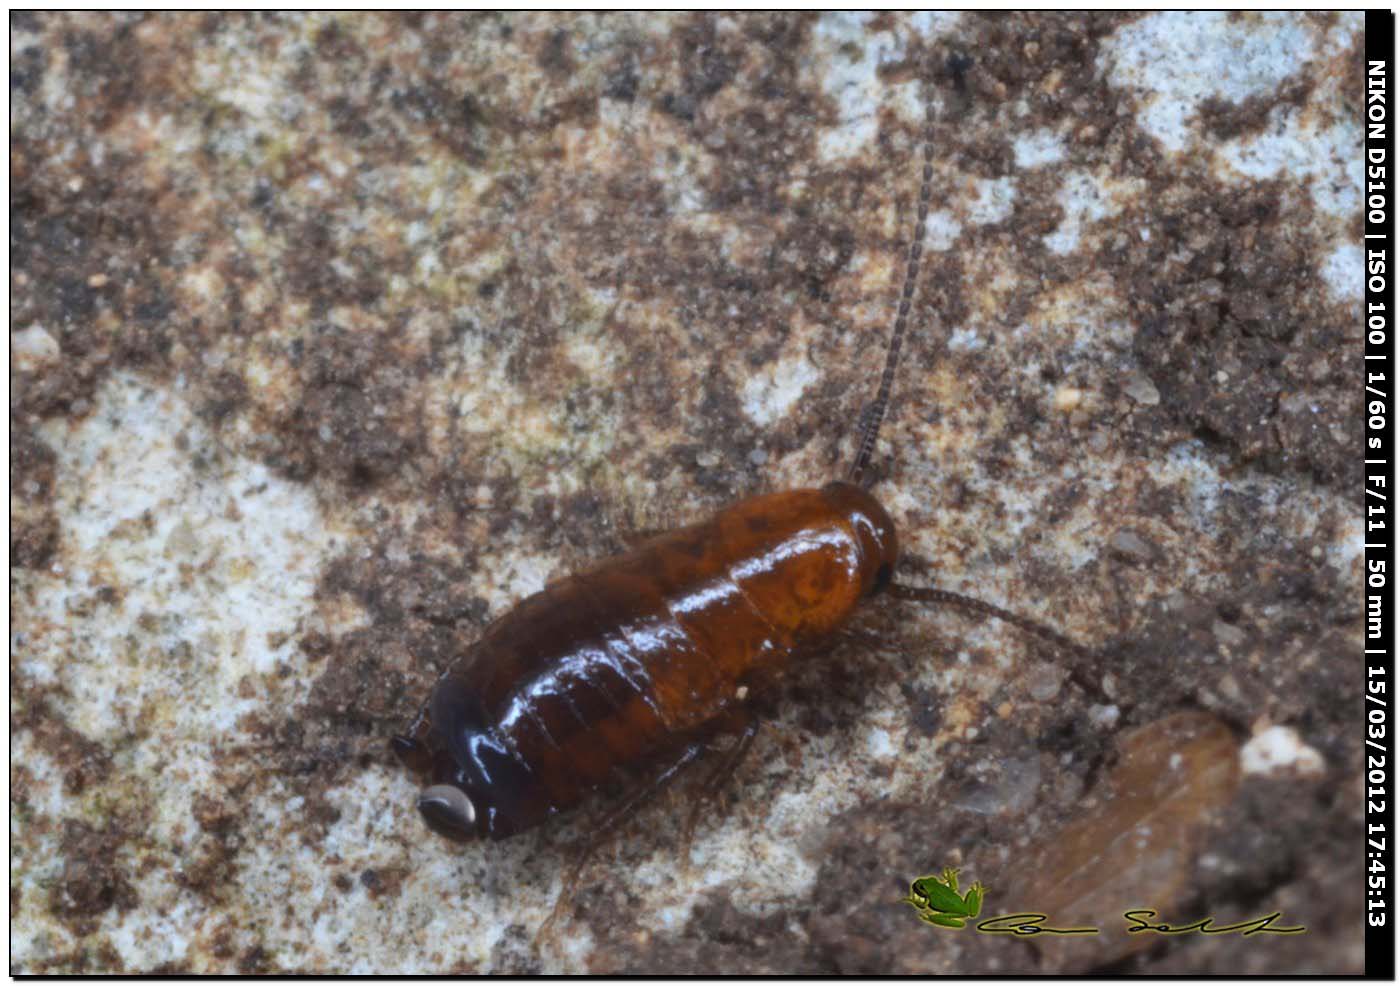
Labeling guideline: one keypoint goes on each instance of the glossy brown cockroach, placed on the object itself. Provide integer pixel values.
(646, 658)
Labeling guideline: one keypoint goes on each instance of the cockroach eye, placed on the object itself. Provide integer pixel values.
(448, 811)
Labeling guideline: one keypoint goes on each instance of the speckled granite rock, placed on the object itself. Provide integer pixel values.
(334, 335)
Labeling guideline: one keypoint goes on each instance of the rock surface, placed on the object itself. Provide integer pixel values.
(334, 335)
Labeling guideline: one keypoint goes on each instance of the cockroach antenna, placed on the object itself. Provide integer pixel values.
(876, 413)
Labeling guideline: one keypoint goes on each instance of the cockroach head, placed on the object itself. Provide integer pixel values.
(448, 811)
(444, 804)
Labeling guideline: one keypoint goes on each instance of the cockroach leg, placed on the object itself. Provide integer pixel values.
(724, 767)
(655, 785)
(610, 823)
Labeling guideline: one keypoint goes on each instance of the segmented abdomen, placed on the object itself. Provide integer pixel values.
(614, 666)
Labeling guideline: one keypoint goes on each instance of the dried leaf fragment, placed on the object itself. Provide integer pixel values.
(1134, 845)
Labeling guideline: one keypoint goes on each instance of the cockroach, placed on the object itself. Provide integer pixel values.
(647, 658)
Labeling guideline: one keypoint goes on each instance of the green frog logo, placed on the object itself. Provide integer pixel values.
(937, 900)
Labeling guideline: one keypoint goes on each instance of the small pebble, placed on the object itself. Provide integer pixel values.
(1109, 684)
(1104, 716)
(1009, 790)
(1279, 750)
(1228, 635)
(1131, 546)
(1068, 398)
(1229, 688)
(33, 347)
(1142, 390)
(1043, 682)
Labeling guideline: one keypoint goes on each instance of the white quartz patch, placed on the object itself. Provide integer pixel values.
(850, 79)
(1085, 201)
(32, 348)
(849, 75)
(1345, 273)
(941, 231)
(1176, 60)
(213, 561)
(931, 24)
(1038, 148)
(1290, 146)
(878, 744)
(965, 340)
(771, 394)
(1279, 749)
(992, 202)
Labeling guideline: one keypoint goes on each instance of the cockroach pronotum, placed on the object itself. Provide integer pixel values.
(648, 657)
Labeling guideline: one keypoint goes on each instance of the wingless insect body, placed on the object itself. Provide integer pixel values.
(651, 654)
(628, 662)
